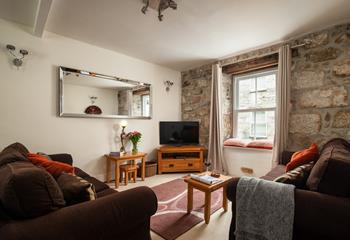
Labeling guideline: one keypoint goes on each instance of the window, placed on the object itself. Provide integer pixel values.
(255, 105)
(145, 105)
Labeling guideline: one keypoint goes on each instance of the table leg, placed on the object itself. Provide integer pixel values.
(143, 172)
(224, 198)
(189, 198)
(207, 206)
(108, 173)
(117, 174)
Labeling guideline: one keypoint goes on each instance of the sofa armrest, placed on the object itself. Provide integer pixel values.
(321, 214)
(62, 157)
(316, 214)
(124, 215)
(286, 156)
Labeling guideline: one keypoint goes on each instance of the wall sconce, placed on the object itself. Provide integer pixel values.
(168, 85)
(17, 61)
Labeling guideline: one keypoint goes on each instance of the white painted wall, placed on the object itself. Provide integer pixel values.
(28, 98)
(76, 99)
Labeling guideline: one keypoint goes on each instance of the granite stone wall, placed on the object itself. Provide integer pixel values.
(320, 85)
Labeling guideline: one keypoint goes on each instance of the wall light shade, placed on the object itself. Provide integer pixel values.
(123, 123)
(17, 61)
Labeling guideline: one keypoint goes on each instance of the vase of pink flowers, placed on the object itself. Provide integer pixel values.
(135, 138)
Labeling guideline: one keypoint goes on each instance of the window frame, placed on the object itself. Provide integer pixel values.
(235, 92)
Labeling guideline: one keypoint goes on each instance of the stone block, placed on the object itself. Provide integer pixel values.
(322, 55)
(342, 119)
(305, 123)
(316, 40)
(308, 79)
(324, 98)
(344, 38)
(342, 69)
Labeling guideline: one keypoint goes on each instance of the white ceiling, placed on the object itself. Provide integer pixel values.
(197, 33)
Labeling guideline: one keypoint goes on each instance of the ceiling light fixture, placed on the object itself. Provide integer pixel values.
(159, 5)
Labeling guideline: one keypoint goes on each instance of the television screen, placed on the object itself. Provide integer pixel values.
(178, 133)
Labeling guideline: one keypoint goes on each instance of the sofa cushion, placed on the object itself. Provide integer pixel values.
(99, 186)
(303, 157)
(75, 189)
(27, 191)
(331, 173)
(17, 146)
(10, 155)
(274, 173)
(297, 176)
(53, 167)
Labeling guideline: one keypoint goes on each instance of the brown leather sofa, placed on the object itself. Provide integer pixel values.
(113, 215)
(317, 215)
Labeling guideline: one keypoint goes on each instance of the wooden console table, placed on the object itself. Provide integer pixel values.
(118, 160)
(180, 159)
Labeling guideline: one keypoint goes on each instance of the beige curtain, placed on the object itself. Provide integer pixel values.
(282, 103)
(215, 151)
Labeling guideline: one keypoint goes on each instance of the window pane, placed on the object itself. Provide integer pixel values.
(266, 95)
(246, 95)
(270, 121)
(145, 105)
(245, 125)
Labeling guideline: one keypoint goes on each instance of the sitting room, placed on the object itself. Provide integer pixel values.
(173, 119)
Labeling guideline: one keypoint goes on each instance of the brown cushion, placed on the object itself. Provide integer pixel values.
(19, 147)
(297, 176)
(99, 186)
(27, 191)
(10, 155)
(75, 189)
(331, 173)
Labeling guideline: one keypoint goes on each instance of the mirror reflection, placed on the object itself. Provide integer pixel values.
(88, 94)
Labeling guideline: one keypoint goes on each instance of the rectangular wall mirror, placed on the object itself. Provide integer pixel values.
(93, 95)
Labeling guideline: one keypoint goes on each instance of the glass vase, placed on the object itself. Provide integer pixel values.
(134, 148)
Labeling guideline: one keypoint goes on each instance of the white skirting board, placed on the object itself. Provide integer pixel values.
(253, 162)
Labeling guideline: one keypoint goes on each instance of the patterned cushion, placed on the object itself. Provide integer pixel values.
(297, 176)
(75, 189)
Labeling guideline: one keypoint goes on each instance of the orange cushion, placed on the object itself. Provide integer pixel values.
(53, 167)
(302, 157)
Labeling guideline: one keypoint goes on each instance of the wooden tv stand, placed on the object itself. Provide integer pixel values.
(180, 159)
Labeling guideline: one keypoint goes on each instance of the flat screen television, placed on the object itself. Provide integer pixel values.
(178, 133)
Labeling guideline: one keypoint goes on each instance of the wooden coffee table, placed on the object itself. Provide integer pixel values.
(207, 189)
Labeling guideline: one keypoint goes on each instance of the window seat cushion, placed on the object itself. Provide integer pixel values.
(236, 142)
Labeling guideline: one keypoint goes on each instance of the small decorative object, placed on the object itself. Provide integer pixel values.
(123, 136)
(93, 109)
(17, 61)
(114, 154)
(159, 5)
(215, 174)
(168, 85)
(207, 165)
(134, 137)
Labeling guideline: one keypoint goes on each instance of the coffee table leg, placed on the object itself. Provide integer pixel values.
(207, 207)
(224, 198)
(189, 198)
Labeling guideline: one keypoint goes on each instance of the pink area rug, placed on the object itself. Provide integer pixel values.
(171, 219)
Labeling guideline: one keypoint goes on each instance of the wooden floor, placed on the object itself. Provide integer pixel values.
(219, 225)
